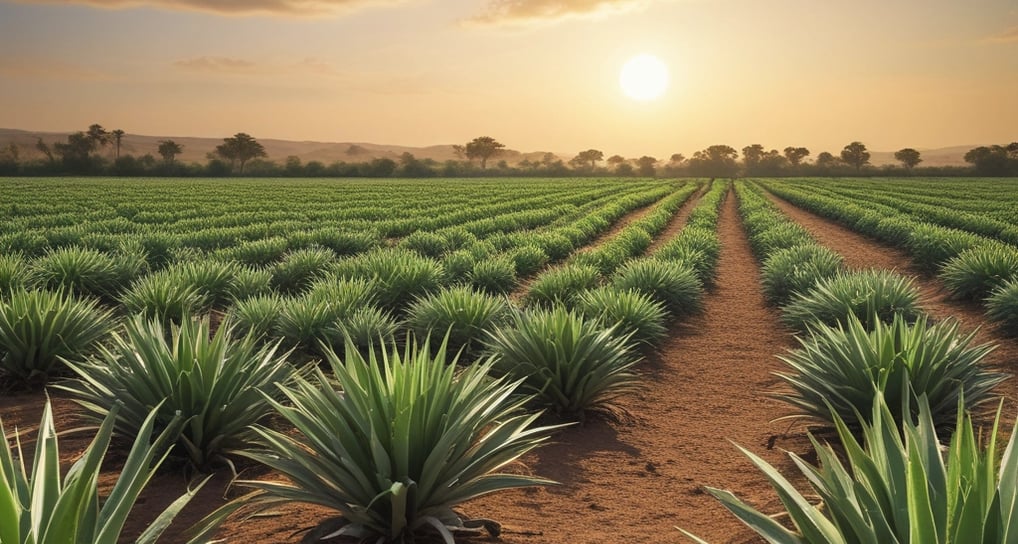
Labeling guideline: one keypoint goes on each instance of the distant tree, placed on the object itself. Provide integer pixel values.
(239, 149)
(98, 134)
(908, 157)
(44, 148)
(13, 152)
(624, 169)
(715, 161)
(855, 154)
(292, 167)
(826, 160)
(314, 168)
(484, 148)
(411, 167)
(994, 160)
(616, 160)
(169, 150)
(646, 166)
(795, 155)
(771, 163)
(677, 158)
(589, 157)
(381, 168)
(117, 135)
(76, 151)
(549, 159)
(751, 156)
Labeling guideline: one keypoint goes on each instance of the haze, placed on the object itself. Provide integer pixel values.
(536, 74)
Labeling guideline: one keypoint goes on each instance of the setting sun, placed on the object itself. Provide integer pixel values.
(644, 77)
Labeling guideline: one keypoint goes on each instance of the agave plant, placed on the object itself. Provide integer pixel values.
(366, 327)
(38, 329)
(572, 364)
(85, 272)
(673, 284)
(14, 272)
(629, 312)
(895, 490)
(528, 259)
(797, 269)
(400, 275)
(495, 276)
(407, 439)
(1002, 307)
(870, 295)
(256, 316)
(165, 297)
(213, 279)
(975, 273)
(561, 285)
(251, 282)
(300, 269)
(220, 386)
(843, 368)
(462, 314)
(40, 507)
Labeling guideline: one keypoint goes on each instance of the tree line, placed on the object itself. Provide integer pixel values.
(242, 155)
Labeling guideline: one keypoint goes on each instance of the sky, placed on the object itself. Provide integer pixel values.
(538, 75)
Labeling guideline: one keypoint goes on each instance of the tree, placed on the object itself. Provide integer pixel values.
(484, 148)
(616, 160)
(855, 154)
(590, 156)
(826, 160)
(117, 136)
(677, 158)
(646, 166)
(44, 148)
(994, 160)
(908, 157)
(715, 161)
(169, 150)
(240, 149)
(795, 155)
(98, 135)
(624, 169)
(293, 167)
(751, 156)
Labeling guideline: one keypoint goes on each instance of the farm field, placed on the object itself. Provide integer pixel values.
(646, 314)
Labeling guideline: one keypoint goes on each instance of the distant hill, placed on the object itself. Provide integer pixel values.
(197, 149)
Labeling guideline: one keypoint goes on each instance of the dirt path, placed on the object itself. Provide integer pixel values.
(635, 481)
(862, 252)
(678, 221)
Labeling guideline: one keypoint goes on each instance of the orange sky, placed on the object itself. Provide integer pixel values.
(535, 74)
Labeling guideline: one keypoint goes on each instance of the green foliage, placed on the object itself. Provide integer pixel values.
(262, 252)
(797, 269)
(14, 273)
(251, 282)
(781, 236)
(213, 279)
(368, 326)
(1002, 307)
(164, 296)
(572, 364)
(458, 265)
(409, 437)
(495, 276)
(41, 507)
(629, 313)
(39, 329)
(842, 369)
(562, 285)
(931, 246)
(305, 322)
(300, 268)
(256, 316)
(528, 260)
(461, 314)
(673, 284)
(85, 272)
(869, 295)
(219, 385)
(894, 489)
(399, 275)
(426, 243)
(976, 272)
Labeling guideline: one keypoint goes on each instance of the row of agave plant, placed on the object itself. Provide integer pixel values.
(874, 367)
(392, 436)
(971, 266)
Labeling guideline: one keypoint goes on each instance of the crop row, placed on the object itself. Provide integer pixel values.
(972, 267)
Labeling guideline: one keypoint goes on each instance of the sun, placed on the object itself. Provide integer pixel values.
(644, 77)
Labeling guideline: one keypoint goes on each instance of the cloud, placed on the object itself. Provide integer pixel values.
(527, 12)
(1008, 36)
(235, 66)
(301, 8)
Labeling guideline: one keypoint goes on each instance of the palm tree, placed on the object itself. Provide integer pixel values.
(117, 135)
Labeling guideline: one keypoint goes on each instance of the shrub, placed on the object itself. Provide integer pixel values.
(528, 260)
(894, 490)
(572, 364)
(251, 282)
(39, 329)
(166, 297)
(256, 252)
(159, 249)
(73, 511)
(84, 272)
(345, 242)
(400, 276)
(14, 273)
(458, 265)
(843, 368)
(629, 313)
(673, 284)
(932, 245)
(1002, 307)
(869, 294)
(305, 322)
(494, 276)
(219, 386)
(561, 285)
(213, 279)
(795, 270)
(300, 268)
(366, 327)
(345, 296)
(256, 316)
(975, 273)
(408, 439)
(426, 243)
(460, 313)
(780, 236)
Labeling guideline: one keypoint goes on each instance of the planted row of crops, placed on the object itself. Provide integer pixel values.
(874, 368)
(971, 266)
(392, 435)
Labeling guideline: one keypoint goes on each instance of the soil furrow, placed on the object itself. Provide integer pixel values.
(635, 481)
(678, 221)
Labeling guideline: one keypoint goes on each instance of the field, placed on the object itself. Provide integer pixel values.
(643, 320)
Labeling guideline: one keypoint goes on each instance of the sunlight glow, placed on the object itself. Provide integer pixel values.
(644, 77)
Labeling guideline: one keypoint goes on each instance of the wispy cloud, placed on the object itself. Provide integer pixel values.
(301, 8)
(528, 12)
(309, 66)
(1008, 36)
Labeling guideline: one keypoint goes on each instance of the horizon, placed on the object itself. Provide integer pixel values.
(538, 75)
